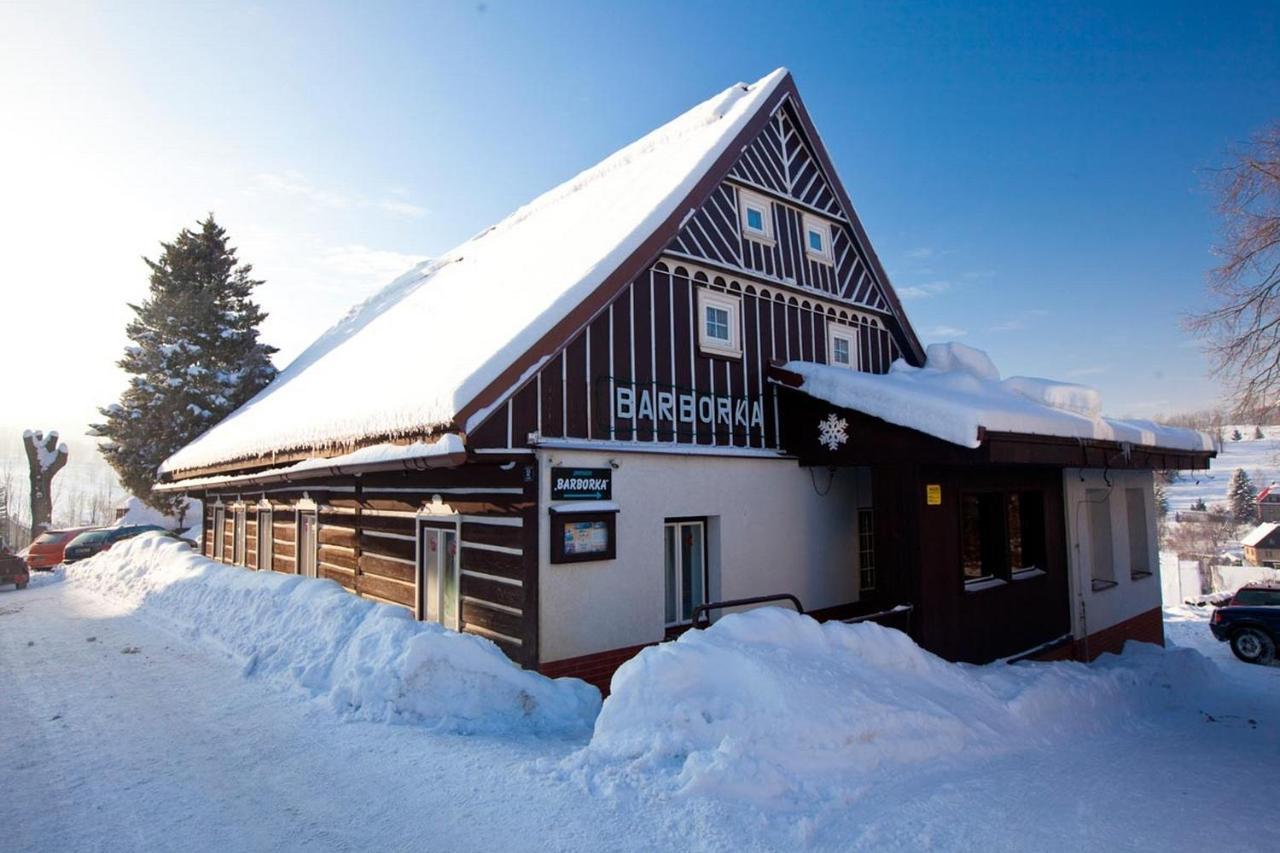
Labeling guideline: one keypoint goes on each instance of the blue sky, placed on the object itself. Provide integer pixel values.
(1033, 178)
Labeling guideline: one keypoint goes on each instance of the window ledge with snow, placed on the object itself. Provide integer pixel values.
(1025, 574)
(984, 583)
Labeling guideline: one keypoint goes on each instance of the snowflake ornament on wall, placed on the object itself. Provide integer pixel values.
(833, 432)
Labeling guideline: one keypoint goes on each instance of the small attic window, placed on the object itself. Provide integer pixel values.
(840, 351)
(719, 323)
(757, 216)
(817, 239)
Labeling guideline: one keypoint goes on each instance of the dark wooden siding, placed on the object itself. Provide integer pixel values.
(644, 347)
(367, 537)
(781, 165)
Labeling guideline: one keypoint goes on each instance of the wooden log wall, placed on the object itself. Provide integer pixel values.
(367, 540)
(644, 346)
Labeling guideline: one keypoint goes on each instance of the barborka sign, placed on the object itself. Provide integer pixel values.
(581, 484)
(686, 408)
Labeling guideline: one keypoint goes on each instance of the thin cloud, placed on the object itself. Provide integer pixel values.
(1020, 321)
(295, 185)
(945, 333)
(924, 291)
(1081, 372)
(919, 253)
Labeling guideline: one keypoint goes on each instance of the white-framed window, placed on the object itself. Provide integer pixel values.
(719, 323)
(841, 349)
(266, 538)
(237, 536)
(685, 563)
(866, 550)
(1101, 543)
(219, 530)
(756, 213)
(817, 239)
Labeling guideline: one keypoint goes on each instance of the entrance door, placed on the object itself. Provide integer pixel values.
(685, 561)
(439, 599)
(307, 544)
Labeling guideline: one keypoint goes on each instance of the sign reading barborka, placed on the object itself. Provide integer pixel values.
(683, 411)
(581, 484)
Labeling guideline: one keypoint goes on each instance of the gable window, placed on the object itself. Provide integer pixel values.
(840, 349)
(757, 216)
(1002, 536)
(817, 239)
(719, 323)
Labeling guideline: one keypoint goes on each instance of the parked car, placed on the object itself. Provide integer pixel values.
(46, 551)
(96, 541)
(1250, 623)
(13, 570)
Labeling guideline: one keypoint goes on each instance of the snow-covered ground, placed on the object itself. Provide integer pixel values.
(133, 719)
(1260, 458)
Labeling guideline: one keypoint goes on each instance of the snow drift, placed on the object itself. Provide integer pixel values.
(368, 661)
(959, 391)
(771, 705)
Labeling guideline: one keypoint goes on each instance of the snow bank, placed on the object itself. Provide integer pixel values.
(136, 511)
(367, 661)
(959, 391)
(772, 706)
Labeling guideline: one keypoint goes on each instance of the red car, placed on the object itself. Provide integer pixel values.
(46, 551)
(13, 570)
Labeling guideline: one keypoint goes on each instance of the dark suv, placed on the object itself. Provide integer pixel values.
(1250, 622)
(96, 541)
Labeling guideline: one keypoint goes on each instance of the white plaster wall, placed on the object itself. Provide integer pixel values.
(1093, 611)
(770, 532)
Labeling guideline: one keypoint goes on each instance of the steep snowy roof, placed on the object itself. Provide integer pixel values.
(959, 391)
(411, 357)
(1255, 536)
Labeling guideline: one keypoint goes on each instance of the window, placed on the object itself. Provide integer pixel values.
(817, 239)
(307, 543)
(219, 523)
(266, 543)
(1101, 557)
(840, 349)
(1135, 501)
(719, 330)
(866, 550)
(757, 216)
(1002, 536)
(237, 537)
(685, 549)
(1257, 597)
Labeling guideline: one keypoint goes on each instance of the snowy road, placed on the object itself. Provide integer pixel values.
(122, 735)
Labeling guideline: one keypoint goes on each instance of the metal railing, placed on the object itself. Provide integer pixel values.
(702, 611)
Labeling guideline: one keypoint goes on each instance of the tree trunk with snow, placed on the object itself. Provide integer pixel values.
(45, 458)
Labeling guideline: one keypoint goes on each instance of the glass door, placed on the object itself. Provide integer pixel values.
(685, 552)
(439, 597)
(307, 544)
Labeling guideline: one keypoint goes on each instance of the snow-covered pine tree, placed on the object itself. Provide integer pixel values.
(1198, 505)
(195, 356)
(1257, 433)
(1242, 497)
(1235, 435)
(1162, 500)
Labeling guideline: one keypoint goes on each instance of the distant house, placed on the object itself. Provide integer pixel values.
(1262, 545)
(1269, 504)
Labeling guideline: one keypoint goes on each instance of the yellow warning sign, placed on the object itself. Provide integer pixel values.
(933, 494)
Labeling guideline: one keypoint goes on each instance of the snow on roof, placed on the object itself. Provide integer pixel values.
(419, 454)
(412, 356)
(959, 391)
(1255, 536)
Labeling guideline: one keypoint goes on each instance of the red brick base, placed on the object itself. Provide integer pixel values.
(597, 669)
(1145, 628)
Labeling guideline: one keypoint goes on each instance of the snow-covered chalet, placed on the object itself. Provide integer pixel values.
(678, 381)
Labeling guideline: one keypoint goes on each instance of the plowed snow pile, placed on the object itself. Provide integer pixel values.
(770, 705)
(368, 661)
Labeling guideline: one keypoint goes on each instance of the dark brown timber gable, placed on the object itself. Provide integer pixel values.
(648, 253)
